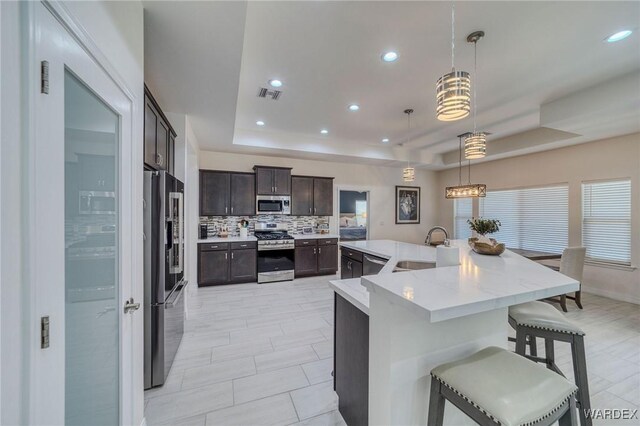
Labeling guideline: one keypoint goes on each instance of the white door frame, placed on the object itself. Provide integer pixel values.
(46, 404)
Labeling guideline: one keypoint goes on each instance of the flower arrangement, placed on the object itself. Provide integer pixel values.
(484, 226)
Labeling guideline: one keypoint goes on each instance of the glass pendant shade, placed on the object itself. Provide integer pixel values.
(475, 146)
(466, 191)
(409, 174)
(453, 96)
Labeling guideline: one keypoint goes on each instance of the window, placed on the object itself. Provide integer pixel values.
(532, 218)
(606, 221)
(462, 211)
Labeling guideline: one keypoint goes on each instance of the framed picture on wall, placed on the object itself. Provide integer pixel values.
(407, 204)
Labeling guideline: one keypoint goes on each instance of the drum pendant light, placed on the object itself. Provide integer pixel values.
(408, 173)
(475, 144)
(453, 90)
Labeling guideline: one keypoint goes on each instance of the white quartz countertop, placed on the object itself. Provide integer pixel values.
(480, 283)
(353, 291)
(227, 239)
(313, 236)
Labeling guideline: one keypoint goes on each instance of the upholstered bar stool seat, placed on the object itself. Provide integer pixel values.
(534, 320)
(543, 316)
(495, 386)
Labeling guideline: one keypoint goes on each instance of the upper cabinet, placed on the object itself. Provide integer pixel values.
(227, 193)
(159, 136)
(301, 195)
(311, 196)
(273, 180)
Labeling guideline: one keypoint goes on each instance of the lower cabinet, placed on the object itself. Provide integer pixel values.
(316, 257)
(350, 264)
(224, 263)
(351, 361)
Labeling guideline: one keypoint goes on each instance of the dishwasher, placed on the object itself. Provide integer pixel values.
(371, 265)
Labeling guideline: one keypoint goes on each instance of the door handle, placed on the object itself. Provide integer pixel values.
(131, 306)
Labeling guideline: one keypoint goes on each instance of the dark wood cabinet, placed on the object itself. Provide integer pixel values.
(224, 263)
(282, 181)
(350, 264)
(316, 257)
(162, 144)
(213, 267)
(301, 195)
(97, 172)
(351, 361)
(243, 194)
(273, 180)
(306, 260)
(215, 188)
(323, 196)
(311, 196)
(226, 193)
(327, 258)
(159, 136)
(151, 118)
(244, 265)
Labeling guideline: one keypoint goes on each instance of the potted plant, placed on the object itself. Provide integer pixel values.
(482, 244)
(484, 226)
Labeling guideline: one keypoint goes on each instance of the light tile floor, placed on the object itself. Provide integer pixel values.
(262, 355)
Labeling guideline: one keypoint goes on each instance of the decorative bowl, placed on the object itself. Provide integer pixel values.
(482, 248)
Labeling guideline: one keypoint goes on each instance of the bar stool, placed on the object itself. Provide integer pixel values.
(539, 319)
(497, 387)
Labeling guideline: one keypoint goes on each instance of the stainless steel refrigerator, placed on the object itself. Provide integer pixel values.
(164, 282)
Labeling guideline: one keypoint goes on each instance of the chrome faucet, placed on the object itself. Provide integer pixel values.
(427, 241)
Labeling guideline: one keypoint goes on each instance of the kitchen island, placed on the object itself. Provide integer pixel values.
(419, 319)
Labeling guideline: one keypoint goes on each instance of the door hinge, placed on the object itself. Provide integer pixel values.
(44, 332)
(44, 77)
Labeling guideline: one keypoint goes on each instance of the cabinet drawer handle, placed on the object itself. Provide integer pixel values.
(225, 256)
(319, 249)
(243, 245)
(314, 251)
(232, 255)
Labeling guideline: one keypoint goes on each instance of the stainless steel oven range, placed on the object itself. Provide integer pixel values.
(276, 251)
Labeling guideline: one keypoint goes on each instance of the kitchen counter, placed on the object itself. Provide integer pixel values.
(227, 239)
(421, 319)
(313, 236)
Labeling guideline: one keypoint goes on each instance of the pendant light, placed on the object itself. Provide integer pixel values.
(470, 190)
(453, 90)
(475, 144)
(408, 173)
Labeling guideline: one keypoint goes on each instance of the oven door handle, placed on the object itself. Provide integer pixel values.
(175, 296)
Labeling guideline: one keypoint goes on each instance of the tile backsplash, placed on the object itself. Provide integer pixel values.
(294, 223)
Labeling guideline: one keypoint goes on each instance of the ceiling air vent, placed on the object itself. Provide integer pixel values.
(273, 94)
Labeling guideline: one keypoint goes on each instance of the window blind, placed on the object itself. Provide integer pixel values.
(531, 218)
(606, 221)
(462, 211)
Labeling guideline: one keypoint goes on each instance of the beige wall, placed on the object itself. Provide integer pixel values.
(380, 181)
(605, 159)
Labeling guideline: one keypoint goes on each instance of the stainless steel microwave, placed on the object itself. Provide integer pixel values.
(97, 202)
(273, 204)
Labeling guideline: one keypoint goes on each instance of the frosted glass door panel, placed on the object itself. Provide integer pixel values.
(92, 311)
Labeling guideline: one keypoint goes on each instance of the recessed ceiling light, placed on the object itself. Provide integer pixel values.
(354, 107)
(620, 35)
(389, 56)
(385, 140)
(324, 131)
(260, 123)
(275, 83)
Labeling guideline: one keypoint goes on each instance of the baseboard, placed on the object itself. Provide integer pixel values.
(612, 295)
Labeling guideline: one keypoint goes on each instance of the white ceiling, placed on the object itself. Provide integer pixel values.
(208, 59)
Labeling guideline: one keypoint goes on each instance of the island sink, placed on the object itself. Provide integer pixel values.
(413, 265)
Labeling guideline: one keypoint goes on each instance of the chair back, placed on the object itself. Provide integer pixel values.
(572, 262)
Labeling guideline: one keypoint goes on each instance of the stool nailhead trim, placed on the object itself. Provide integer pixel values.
(531, 423)
(546, 328)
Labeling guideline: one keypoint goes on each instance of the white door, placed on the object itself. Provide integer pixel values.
(80, 222)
